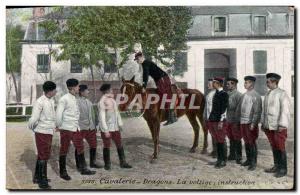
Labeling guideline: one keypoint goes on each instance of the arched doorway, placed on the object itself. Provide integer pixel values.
(219, 63)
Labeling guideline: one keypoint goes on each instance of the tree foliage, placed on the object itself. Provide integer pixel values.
(14, 34)
(95, 32)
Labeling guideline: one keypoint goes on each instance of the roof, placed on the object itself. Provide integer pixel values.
(223, 10)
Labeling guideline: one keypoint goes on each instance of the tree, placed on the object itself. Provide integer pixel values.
(14, 34)
(95, 32)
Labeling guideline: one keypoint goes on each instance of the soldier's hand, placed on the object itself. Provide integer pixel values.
(281, 129)
(251, 127)
(120, 128)
(220, 125)
(106, 134)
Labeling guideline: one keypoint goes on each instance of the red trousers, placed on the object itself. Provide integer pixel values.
(249, 136)
(233, 131)
(66, 137)
(277, 139)
(43, 145)
(115, 136)
(217, 134)
(164, 87)
(90, 136)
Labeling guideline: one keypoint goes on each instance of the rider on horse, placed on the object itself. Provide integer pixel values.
(162, 82)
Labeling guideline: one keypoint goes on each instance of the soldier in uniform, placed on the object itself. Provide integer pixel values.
(207, 111)
(67, 117)
(249, 111)
(216, 119)
(110, 123)
(87, 124)
(162, 81)
(275, 122)
(42, 123)
(232, 121)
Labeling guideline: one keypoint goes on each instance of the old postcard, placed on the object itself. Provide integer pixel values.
(150, 98)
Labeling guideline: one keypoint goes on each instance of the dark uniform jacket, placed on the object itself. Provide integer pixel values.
(219, 106)
(150, 68)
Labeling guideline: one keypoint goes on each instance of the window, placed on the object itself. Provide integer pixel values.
(259, 25)
(180, 63)
(293, 86)
(260, 61)
(260, 69)
(42, 63)
(220, 24)
(75, 65)
(260, 85)
(109, 64)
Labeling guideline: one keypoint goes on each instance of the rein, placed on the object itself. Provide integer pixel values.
(134, 92)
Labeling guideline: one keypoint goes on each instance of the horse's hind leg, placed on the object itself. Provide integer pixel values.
(195, 125)
(205, 132)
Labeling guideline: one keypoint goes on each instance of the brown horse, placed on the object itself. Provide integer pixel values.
(154, 115)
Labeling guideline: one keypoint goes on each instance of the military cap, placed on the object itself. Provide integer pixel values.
(105, 87)
(82, 87)
(250, 78)
(273, 76)
(218, 79)
(72, 82)
(138, 54)
(232, 79)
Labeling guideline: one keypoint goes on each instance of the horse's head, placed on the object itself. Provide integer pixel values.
(129, 89)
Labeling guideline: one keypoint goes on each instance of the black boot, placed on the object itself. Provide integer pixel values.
(275, 160)
(282, 162)
(76, 160)
(36, 172)
(221, 152)
(214, 151)
(43, 181)
(93, 163)
(232, 149)
(253, 156)
(82, 166)
(238, 150)
(106, 158)
(62, 168)
(171, 117)
(247, 162)
(225, 149)
(123, 163)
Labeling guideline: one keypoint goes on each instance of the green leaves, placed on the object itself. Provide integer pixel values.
(14, 34)
(98, 31)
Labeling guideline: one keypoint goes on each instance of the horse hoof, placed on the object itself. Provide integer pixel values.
(204, 152)
(192, 150)
(153, 161)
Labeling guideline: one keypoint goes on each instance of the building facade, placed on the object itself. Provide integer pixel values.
(223, 41)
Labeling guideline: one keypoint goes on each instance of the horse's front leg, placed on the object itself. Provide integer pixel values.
(155, 138)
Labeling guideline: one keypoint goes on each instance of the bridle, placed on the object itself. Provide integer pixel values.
(132, 92)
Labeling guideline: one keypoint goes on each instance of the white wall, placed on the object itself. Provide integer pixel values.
(278, 60)
(60, 72)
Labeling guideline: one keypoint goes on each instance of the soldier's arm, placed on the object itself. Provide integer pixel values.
(102, 116)
(257, 109)
(284, 117)
(35, 116)
(59, 112)
(145, 75)
(224, 106)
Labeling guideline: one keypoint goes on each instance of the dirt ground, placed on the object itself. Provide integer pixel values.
(176, 168)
